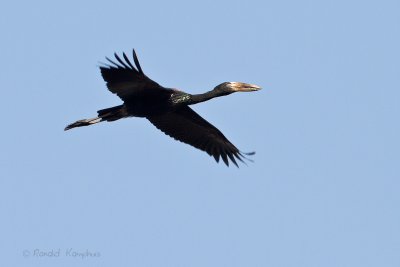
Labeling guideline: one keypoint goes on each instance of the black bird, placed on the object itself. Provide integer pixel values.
(168, 109)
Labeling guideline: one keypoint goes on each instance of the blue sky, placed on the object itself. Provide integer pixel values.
(324, 187)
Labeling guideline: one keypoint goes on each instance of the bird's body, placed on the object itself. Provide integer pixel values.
(166, 108)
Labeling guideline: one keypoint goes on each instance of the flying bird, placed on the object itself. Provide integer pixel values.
(166, 108)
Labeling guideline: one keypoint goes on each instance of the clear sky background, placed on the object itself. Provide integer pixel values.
(324, 189)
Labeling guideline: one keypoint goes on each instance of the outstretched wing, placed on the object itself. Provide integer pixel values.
(187, 126)
(127, 81)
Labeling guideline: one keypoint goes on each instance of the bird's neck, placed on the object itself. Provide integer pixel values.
(198, 98)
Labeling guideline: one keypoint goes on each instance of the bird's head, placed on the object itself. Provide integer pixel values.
(232, 87)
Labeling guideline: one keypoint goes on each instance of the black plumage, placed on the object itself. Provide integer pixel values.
(166, 108)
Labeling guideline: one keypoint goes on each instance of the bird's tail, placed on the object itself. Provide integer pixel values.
(84, 122)
(108, 114)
